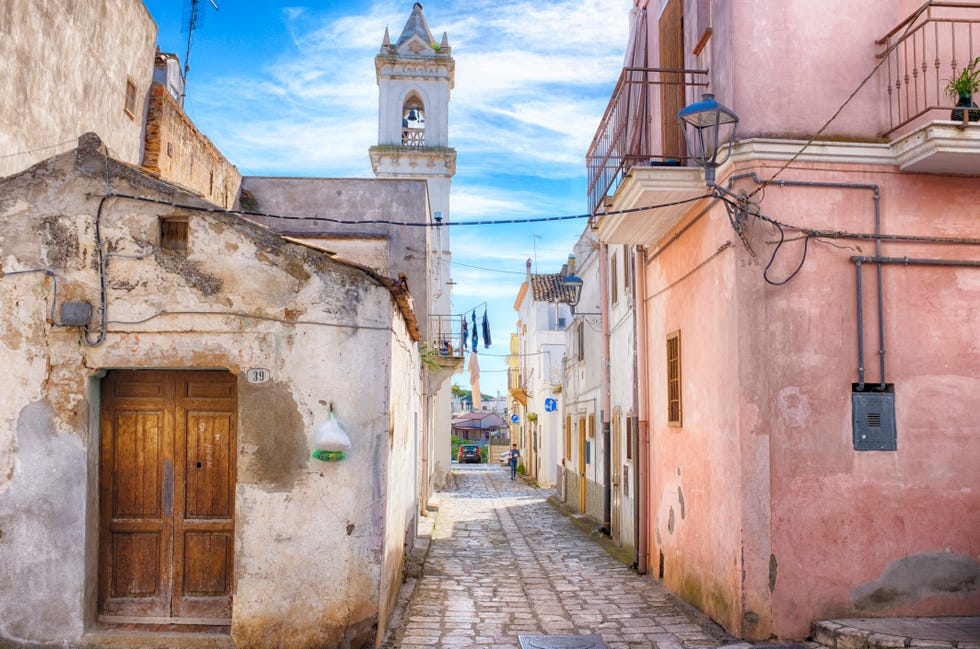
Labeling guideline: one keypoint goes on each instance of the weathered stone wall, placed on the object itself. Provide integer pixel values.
(65, 69)
(179, 153)
(313, 546)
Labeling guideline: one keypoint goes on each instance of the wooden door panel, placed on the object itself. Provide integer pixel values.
(671, 29)
(167, 485)
(209, 489)
(137, 455)
(136, 565)
(135, 524)
(204, 524)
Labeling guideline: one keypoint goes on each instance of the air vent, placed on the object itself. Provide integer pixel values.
(874, 419)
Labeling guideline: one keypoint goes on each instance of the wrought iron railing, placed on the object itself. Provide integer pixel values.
(922, 53)
(626, 135)
(445, 335)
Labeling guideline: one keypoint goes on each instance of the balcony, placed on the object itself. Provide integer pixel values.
(517, 386)
(445, 355)
(638, 156)
(920, 54)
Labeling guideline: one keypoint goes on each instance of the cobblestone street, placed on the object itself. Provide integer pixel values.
(503, 561)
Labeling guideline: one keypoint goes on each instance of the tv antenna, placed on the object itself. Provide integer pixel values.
(193, 18)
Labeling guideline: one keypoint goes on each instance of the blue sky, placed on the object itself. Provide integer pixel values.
(287, 89)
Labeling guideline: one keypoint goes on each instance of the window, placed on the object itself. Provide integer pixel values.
(580, 341)
(627, 270)
(174, 234)
(130, 106)
(674, 379)
(413, 122)
(614, 279)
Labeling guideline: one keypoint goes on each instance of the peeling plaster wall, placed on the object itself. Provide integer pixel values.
(310, 536)
(42, 532)
(78, 56)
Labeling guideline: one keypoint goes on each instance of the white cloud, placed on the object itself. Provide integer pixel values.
(532, 81)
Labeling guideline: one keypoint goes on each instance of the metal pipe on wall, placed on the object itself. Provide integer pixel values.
(881, 300)
(642, 432)
(606, 434)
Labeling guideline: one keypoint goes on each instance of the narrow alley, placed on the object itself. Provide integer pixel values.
(504, 562)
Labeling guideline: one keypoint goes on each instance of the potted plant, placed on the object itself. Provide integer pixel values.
(962, 87)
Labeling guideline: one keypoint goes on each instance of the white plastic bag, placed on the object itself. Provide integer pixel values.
(330, 441)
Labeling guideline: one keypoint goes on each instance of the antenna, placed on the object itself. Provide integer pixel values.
(534, 246)
(193, 18)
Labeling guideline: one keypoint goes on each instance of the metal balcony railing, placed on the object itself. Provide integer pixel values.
(627, 137)
(445, 336)
(922, 53)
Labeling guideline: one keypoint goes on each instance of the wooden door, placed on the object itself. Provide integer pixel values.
(581, 465)
(167, 496)
(615, 465)
(671, 29)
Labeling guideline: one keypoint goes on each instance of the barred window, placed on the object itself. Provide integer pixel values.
(674, 411)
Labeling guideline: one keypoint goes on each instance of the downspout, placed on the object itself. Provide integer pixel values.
(641, 394)
(606, 435)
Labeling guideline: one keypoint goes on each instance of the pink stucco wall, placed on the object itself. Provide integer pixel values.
(762, 477)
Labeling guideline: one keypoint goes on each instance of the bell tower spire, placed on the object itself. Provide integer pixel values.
(415, 76)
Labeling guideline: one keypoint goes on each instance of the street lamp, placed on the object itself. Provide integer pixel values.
(572, 284)
(709, 129)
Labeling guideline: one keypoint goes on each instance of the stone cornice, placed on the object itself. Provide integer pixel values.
(870, 153)
(409, 160)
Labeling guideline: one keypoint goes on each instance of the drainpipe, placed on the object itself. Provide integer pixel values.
(642, 434)
(606, 435)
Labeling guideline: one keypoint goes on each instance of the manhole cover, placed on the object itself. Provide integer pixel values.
(561, 642)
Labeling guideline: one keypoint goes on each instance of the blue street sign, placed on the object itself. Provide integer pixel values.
(550, 405)
(515, 419)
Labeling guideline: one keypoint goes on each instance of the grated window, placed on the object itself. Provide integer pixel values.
(174, 234)
(674, 412)
(130, 106)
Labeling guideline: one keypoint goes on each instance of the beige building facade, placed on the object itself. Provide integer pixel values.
(70, 68)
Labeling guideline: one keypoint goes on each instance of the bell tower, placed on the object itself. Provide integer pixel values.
(415, 75)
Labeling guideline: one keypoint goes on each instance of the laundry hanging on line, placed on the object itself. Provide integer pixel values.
(476, 335)
(486, 329)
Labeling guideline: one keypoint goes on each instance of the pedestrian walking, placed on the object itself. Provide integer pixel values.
(512, 459)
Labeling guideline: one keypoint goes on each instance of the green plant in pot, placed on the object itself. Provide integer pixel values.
(963, 87)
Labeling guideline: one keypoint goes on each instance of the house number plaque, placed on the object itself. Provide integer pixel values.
(257, 375)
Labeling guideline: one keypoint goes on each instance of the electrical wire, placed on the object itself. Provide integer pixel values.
(490, 270)
(327, 219)
(40, 148)
(54, 285)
